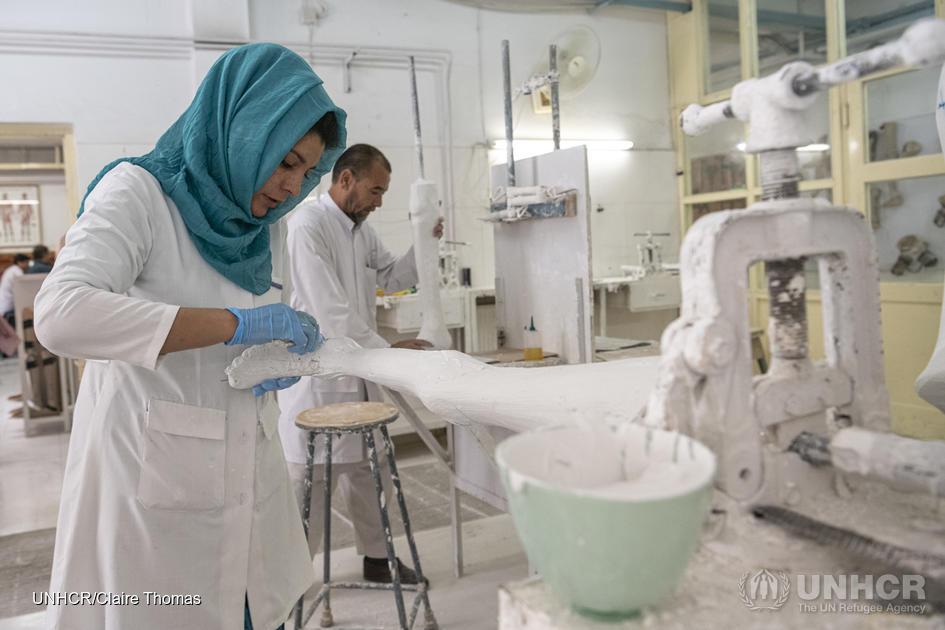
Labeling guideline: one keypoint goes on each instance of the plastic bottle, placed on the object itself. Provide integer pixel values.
(533, 351)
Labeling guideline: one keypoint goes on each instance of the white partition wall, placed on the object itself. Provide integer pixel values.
(543, 269)
(543, 266)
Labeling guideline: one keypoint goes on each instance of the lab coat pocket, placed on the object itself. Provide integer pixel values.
(183, 457)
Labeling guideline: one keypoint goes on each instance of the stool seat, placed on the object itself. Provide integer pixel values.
(346, 417)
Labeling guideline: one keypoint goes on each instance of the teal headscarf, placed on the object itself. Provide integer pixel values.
(256, 102)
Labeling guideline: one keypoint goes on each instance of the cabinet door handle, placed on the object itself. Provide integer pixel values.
(657, 294)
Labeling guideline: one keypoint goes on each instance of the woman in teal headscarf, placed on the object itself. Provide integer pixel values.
(176, 508)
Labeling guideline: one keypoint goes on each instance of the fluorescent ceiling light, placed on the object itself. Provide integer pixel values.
(807, 148)
(548, 145)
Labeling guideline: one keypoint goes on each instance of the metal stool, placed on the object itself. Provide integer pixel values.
(363, 418)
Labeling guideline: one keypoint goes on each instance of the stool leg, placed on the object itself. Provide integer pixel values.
(385, 522)
(306, 513)
(327, 620)
(429, 619)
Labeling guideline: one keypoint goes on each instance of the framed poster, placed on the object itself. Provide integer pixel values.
(19, 216)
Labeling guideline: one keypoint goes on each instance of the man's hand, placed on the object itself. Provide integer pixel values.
(438, 228)
(413, 344)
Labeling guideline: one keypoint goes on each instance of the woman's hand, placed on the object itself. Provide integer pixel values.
(276, 321)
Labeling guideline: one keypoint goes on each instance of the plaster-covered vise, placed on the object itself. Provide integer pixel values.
(706, 386)
(464, 390)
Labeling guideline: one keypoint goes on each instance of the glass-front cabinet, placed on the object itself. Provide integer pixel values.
(873, 144)
(723, 39)
(908, 220)
(900, 115)
(790, 30)
(717, 159)
(869, 23)
(698, 210)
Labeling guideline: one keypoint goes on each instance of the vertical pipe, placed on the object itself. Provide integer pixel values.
(507, 87)
(555, 112)
(417, 138)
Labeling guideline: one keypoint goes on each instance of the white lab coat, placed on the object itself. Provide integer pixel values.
(10, 274)
(175, 483)
(336, 268)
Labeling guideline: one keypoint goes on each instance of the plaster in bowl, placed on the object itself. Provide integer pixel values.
(608, 518)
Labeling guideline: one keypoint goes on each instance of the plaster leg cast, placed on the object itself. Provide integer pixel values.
(423, 218)
(463, 390)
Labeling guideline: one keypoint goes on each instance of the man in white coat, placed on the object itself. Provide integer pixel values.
(337, 262)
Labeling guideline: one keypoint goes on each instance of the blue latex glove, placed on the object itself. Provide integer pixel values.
(276, 321)
(272, 384)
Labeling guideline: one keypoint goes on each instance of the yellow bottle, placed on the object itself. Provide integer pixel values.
(533, 351)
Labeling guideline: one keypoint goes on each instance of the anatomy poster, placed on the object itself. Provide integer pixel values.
(19, 216)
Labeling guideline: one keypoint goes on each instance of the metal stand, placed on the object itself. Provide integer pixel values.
(445, 457)
(365, 429)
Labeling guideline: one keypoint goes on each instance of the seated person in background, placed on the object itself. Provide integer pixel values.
(43, 260)
(20, 262)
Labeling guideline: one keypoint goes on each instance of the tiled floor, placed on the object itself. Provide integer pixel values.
(31, 481)
(30, 468)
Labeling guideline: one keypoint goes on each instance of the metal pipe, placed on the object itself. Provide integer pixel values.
(417, 137)
(682, 6)
(346, 71)
(507, 87)
(555, 112)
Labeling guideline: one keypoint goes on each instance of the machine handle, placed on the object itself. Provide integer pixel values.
(921, 44)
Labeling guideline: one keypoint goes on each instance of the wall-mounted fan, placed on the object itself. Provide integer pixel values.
(578, 58)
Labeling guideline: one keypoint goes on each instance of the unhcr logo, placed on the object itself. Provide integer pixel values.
(769, 590)
(764, 589)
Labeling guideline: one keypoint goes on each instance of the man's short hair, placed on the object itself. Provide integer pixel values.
(40, 252)
(18, 258)
(359, 158)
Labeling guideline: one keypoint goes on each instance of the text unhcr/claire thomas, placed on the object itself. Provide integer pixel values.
(87, 598)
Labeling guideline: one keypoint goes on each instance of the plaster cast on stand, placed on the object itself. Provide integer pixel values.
(426, 247)
(423, 218)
